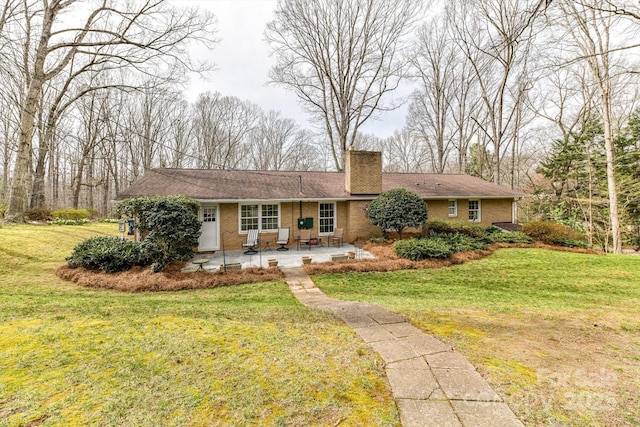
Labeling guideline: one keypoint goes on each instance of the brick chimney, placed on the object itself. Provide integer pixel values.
(363, 172)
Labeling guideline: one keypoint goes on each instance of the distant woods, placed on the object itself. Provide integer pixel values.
(507, 90)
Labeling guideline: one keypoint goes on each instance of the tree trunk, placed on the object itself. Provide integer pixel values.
(614, 217)
(19, 197)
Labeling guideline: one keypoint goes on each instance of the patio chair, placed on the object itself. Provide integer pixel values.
(251, 242)
(336, 238)
(304, 238)
(283, 239)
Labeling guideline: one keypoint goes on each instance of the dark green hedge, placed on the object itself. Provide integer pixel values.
(109, 254)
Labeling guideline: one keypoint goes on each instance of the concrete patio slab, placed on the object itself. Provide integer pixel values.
(286, 259)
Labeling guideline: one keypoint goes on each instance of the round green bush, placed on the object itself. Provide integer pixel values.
(109, 254)
(169, 224)
(397, 209)
(553, 233)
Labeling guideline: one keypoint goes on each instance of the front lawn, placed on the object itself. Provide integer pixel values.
(239, 355)
(557, 333)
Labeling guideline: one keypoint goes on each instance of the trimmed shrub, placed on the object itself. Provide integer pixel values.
(169, 224)
(59, 221)
(397, 209)
(419, 249)
(553, 233)
(71, 214)
(39, 214)
(109, 254)
(508, 237)
(459, 242)
(441, 226)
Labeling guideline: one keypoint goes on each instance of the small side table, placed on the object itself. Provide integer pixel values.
(267, 245)
(200, 262)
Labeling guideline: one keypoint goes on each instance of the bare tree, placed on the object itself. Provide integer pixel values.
(91, 116)
(589, 32)
(274, 143)
(341, 57)
(222, 126)
(148, 36)
(150, 117)
(8, 12)
(404, 152)
(177, 149)
(430, 109)
(496, 36)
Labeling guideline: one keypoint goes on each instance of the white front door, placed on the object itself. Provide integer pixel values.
(210, 228)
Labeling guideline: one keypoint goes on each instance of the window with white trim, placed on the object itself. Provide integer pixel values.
(474, 210)
(453, 207)
(269, 217)
(259, 217)
(327, 218)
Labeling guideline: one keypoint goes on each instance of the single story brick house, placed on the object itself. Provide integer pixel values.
(233, 201)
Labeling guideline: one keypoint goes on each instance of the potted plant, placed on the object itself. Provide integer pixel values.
(306, 260)
(231, 266)
(351, 254)
(273, 262)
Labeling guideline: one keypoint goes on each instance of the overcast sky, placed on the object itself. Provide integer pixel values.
(243, 62)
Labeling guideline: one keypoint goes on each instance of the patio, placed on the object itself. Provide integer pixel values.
(212, 262)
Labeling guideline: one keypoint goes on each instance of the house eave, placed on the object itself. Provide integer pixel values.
(348, 199)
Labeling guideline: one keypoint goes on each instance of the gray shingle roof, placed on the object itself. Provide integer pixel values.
(209, 184)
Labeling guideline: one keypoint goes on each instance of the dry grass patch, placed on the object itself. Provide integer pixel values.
(229, 356)
(556, 333)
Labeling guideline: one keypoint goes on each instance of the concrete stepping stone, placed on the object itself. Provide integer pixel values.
(432, 384)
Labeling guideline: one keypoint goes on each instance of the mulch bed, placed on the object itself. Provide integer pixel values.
(140, 279)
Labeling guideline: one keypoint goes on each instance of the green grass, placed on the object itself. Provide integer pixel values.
(242, 355)
(509, 280)
(556, 333)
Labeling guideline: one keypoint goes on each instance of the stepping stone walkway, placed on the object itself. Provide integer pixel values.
(432, 384)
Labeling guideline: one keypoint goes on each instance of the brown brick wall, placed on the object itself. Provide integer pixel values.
(229, 226)
(491, 210)
(289, 214)
(360, 226)
(363, 172)
(352, 216)
(495, 210)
